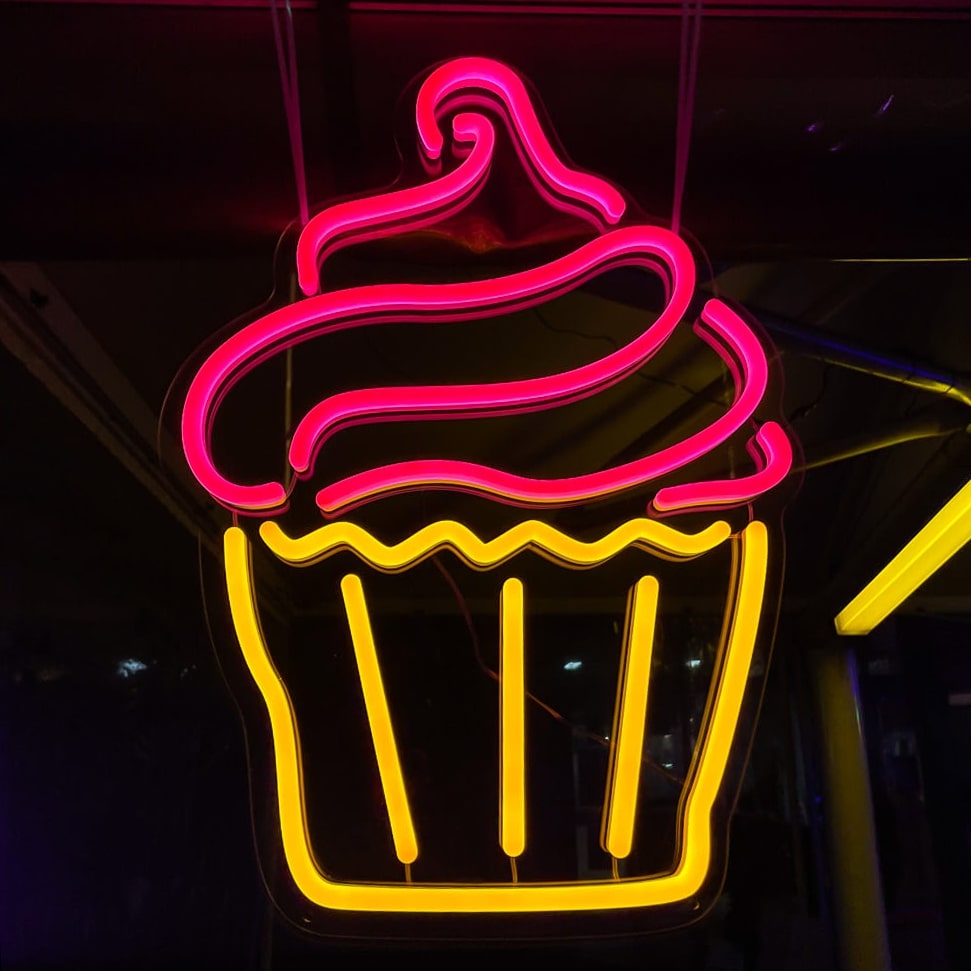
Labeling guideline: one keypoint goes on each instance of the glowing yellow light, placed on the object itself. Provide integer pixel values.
(711, 755)
(630, 712)
(283, 726)
(379, 720)
(705, 777)
(645, 534)
(512, 726)
(930, 549)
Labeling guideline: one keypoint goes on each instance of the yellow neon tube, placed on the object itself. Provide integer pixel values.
(931, 548)
(379, 720)
(694, 854)
(546, 540)
(512, 725)
(630, 714)
(711, 758)
(287, 761)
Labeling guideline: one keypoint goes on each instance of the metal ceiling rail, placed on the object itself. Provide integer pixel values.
(208, 4)
(830, 349)
(908, 430)
(763, 9)
(40, 329)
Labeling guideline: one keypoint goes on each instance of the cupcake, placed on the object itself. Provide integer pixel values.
(684, 504)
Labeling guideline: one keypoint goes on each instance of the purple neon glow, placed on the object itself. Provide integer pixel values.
(384, 215)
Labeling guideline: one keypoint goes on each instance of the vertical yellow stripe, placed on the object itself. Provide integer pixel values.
(627, 745)
(379, 719)
(512, 722)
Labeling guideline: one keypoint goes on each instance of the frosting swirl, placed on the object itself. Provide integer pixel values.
(475, 82)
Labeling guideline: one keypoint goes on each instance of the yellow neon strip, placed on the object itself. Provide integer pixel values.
(283, 725)
(712, 757)
(931, 548)
(512, 728)
(630, 714)
(695, 847)
(645, 534)
(379, 719)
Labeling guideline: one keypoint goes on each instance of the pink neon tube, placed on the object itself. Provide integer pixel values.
(514, 489)
(387, 211)
(383, 215)
(458, 401)
(401, 301)
(478, 73)
(770, 447)
(478, 83)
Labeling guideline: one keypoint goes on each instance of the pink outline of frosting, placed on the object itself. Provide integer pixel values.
(470, 73)
(407, 208)
(727, 327)
(632, 244)
(383, 214)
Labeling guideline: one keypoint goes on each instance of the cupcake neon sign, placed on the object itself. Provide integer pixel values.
(473, 92)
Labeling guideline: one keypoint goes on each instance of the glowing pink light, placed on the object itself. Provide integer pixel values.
(463, 77)
(469, 73)
(397, 302)
(770, 448)
(480, 82)
(459, 401)
(726, 327)
(383, 215)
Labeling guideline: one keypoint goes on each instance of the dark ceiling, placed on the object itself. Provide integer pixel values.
(147, 172)
(139, 130)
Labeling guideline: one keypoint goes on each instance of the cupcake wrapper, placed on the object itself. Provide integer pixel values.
(749, 557)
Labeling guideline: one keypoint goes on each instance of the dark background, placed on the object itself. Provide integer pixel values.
(146, 177)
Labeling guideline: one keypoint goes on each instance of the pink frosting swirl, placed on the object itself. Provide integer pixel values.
(463, 83)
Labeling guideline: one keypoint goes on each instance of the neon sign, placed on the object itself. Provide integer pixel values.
(453, 302)
(691, 868)
(474, 92)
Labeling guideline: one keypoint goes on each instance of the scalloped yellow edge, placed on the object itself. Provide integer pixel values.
(746, 593)
(645, 534)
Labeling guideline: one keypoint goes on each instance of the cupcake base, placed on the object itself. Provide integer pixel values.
(709, 761)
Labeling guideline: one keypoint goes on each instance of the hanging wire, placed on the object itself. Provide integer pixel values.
(552, 712)
(687, 77)
(286, 55)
